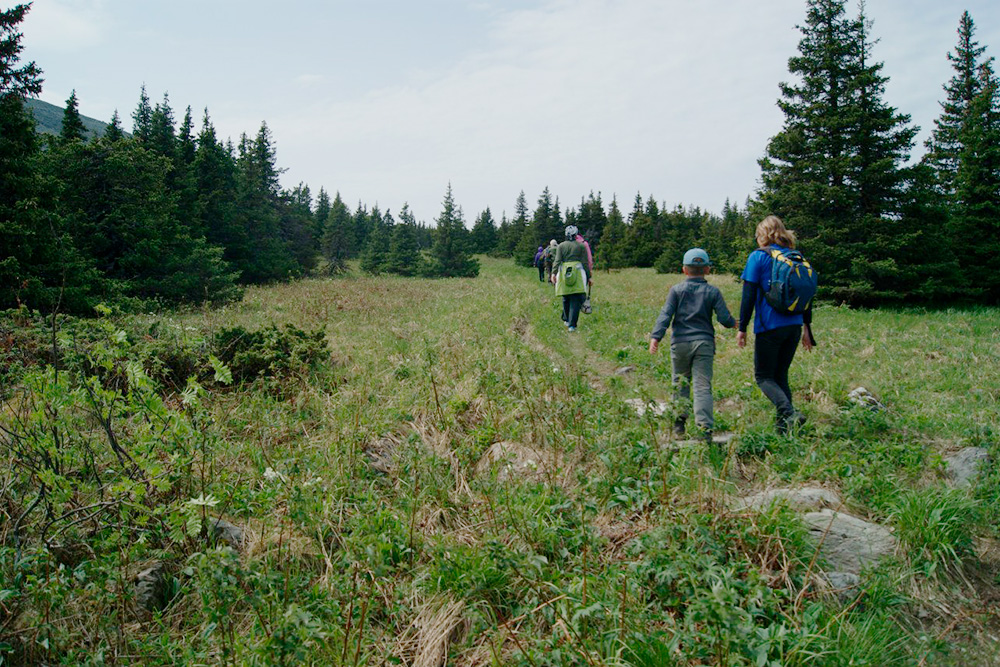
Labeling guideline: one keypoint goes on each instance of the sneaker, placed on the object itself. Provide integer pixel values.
(571, 329)
(796, 419)
(679, 427)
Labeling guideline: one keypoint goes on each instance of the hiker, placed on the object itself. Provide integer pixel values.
(590, 255)
(539, 262)
(776, 334)
(550, 255)
(688, 312)
(569, 273)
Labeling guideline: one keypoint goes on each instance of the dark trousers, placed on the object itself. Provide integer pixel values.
(541, 271)
(773, 352)
(571, 308)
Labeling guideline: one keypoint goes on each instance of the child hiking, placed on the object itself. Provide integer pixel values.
(688, 312)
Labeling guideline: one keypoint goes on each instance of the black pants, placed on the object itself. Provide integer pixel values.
(541, 271)
(773, 352)
(571, 308)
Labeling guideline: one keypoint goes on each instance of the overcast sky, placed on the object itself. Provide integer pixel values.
(388, 101)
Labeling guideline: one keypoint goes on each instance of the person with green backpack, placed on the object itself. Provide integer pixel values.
(569, 273)
(778, 288)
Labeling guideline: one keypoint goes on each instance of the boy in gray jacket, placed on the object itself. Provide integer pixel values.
(689, 308)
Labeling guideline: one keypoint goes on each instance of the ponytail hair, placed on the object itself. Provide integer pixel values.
(772, 230)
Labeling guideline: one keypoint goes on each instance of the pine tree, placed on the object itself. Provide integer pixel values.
(834, 172)
(484, 233)
(338, 233)
(72, 125)
(215, 180)
(161, 129)
(404, 257)
(374, 257)
(142, 117)
(963, 153)
(545, 225)
(26, 80)
(113, 132)
(448, 256)
(611, 252)
(321, 214)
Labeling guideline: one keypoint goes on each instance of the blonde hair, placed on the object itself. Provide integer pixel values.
(772, 230)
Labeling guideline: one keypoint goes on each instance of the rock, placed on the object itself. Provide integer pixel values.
(845, 585)
(965, 466)
(804, 499)
(624, 370)
(850, 543)
(511, 459)
(151, 591)
(640, 406)
(863, 397)
(382, 455)
(227, 532)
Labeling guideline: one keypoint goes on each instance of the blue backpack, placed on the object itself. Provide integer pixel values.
(793, 282)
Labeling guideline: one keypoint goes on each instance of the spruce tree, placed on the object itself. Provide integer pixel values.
(835, 171)
(72, 125)
(215, 179)
(611, 252)
(113, 132)
(142, 117)
(484, 233)
(374, 257)
(404, 257)
(338, 233)
(964, 153)
(448, 255)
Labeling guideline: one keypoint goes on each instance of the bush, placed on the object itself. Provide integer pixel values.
(270, 352)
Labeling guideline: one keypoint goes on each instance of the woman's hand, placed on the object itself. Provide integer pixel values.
(741, 339)
(654, 345)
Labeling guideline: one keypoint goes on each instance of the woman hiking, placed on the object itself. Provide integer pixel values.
(569, 273)
(776, 334)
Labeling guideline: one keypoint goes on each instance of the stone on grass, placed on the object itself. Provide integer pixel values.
(863, 397)
(624, 370)
(640, 406)
(850, 544)
(965, 466)
(151, 592)
(844, 585)
(230, 533)
(804, 499)
(511, 459)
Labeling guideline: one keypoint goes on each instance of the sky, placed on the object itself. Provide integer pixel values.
(389, 101)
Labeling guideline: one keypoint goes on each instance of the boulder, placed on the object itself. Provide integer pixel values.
(230, 533)
(151, 590)
(850, 544)
(863, 397)
(965, 466)
(843, 585)
(804, 499)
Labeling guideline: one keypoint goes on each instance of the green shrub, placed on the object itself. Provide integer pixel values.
(270, 352)
(936, 528)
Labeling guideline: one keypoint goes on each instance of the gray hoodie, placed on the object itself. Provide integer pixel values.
(689, 307)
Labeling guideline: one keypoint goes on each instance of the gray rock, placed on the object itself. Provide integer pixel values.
(850, 543)
(151, 591)
(803, 499)
(658, 407)
(863, 397)
(227, 532)
(624, 370)
(845, 585)
(965, 466)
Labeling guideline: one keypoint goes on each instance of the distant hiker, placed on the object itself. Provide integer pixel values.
(550, 256)
(539, 261)
(776, 334)
(569, 273)
(688, 308)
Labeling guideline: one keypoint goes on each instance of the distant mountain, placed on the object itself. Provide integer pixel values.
(48, 119)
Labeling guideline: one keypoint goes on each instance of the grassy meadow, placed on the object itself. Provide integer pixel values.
(432, 472)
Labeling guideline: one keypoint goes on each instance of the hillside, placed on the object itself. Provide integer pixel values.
(384, 470)
(48, 119)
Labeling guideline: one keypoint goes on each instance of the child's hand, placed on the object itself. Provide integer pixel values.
(654, 345)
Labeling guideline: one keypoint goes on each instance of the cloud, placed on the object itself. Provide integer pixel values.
(309, 80)
(65, 25)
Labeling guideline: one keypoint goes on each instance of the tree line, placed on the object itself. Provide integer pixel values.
(178, 215)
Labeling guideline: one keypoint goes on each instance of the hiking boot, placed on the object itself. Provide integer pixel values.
(706, 434)
(679, 427)
(787, 422)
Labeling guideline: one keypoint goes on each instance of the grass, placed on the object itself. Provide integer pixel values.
(600, 543)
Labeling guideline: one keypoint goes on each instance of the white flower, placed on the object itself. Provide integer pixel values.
(270, 474)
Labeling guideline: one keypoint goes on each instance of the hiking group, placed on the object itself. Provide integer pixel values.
(778, 289)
